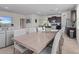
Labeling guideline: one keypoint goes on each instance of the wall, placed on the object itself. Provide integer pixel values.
(40, 20)
(66, 19)
(43, 19)
(15, 17)
(63, 20)
(77, 24)
(32, 19)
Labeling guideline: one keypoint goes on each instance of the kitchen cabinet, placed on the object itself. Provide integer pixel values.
(55, 22)
(6, 38)
(9, 37)
(2, 39)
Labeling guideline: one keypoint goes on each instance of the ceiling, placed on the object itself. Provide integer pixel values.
(40, 9)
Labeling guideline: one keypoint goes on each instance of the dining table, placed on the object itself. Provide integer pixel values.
(35, 41)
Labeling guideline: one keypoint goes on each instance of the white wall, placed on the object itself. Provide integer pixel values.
(40, 20)
(66, 19)
(32, 18)
(43, 19)
(63, 20)
(15, 17)
(77, 24)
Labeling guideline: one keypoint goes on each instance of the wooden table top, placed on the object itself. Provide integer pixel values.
(35, 41)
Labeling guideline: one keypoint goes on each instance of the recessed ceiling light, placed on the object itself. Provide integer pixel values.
(6, 7)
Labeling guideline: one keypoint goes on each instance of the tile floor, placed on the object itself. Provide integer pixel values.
(70, 45)
(7, 50)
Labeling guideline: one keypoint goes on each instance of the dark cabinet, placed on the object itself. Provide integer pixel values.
(68, 31)
(55, 21)
(54, 18)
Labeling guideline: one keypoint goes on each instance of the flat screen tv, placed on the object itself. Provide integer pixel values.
(5, 19)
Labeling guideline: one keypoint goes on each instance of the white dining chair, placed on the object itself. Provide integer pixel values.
(58, 42)
(20, 48)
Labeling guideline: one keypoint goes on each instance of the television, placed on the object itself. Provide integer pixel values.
(5, 19)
